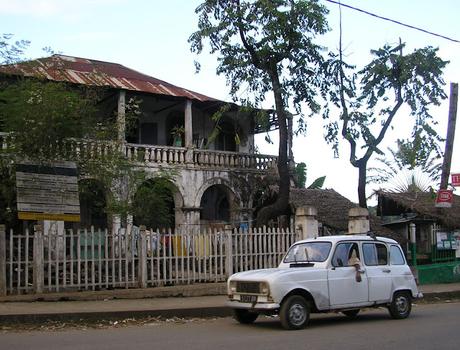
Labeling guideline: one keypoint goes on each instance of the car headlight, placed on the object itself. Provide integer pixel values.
(232, 287)
(264, 288)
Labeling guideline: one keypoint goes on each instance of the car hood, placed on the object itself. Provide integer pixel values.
(256, 275)
(271, 274)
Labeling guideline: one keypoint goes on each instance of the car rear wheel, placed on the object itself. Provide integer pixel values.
(244, 316)
(295, 312)
(351, 313)
(401, 305)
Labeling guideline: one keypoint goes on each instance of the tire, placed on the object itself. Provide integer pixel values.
(244, 316)
(295, 313)
(351, 313)
(401, 305)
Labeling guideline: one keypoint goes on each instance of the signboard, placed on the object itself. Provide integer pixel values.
(455, 179)
(47, 192)
(444, 199)
(446, 241)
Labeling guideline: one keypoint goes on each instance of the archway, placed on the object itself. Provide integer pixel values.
(216, 205)
(154, 204)
(93, 203)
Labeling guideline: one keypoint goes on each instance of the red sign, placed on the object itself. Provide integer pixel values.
(455, 179)
(444, 199)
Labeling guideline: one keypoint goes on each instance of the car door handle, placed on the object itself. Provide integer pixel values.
(386, 271)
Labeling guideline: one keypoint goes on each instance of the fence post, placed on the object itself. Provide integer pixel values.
(306, 222)
(142, 255)
(358, 221)
(39, 277)
(2, 260)
(228, 250)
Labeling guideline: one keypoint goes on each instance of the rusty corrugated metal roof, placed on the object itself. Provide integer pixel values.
(99, 73)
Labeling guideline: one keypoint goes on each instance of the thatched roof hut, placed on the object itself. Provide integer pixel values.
(422, 204)
(333, 210)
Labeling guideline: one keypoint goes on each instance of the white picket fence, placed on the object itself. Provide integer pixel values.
(37, 262)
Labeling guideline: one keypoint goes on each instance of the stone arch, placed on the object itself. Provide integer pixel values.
(162, 197)
(218, 202)
(212, 182)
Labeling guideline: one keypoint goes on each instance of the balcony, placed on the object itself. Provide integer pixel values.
(152, 155)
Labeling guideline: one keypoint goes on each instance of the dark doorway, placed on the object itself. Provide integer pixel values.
(215, 204)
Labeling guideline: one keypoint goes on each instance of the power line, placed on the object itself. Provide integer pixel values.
(392, 20)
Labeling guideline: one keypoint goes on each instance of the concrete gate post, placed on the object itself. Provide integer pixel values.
(306, 222)
(358, 221)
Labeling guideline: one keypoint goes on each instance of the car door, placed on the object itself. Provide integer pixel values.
(378, 270)
(344, 288)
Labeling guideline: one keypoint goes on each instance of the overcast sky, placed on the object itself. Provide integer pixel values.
(151, 36)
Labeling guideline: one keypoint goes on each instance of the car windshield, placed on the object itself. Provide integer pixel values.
(308, 252)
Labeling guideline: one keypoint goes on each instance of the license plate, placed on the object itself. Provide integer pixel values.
(248, 298)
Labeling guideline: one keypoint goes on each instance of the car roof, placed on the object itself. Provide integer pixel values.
(340, 238)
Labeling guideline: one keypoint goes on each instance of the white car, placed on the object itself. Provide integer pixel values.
(326, 274)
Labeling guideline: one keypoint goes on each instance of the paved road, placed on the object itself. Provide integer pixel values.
(431, 326)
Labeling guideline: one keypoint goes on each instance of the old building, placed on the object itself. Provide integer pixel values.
(212, 181)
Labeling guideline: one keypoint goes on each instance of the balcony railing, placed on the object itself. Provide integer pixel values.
(165, 155)
(221, 159)
(199, 157)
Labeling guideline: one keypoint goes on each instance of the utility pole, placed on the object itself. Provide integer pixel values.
(453, 100)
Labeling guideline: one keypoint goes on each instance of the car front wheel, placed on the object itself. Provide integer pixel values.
(244, 316)
(401, 305)
(295, 312)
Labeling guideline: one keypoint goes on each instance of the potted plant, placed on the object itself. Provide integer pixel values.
(177, 133)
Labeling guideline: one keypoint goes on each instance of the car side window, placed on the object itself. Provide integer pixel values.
(344, 252)
(396, 256)
(375, 254)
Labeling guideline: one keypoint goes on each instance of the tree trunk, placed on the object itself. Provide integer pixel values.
(362, 169)
(281, 205)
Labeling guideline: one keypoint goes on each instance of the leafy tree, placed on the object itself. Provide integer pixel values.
(370, 99)
(40, 115)
(11, 52)
(45, 121)
(267, 46)
(301, 174)
(318, 183)
(153, 203)
(410, 167)
(301, 177)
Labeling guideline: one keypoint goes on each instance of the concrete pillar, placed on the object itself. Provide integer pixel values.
(56, 232)
(121, 113)
(129, 223)
(358, 221)
(116, 223)
(188, 124)
(192, 216)
(306, 222)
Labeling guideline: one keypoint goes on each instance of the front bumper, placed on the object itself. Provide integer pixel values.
(235, 304)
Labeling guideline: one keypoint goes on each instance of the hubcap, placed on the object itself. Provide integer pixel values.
(297, 314)
(402, 304)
